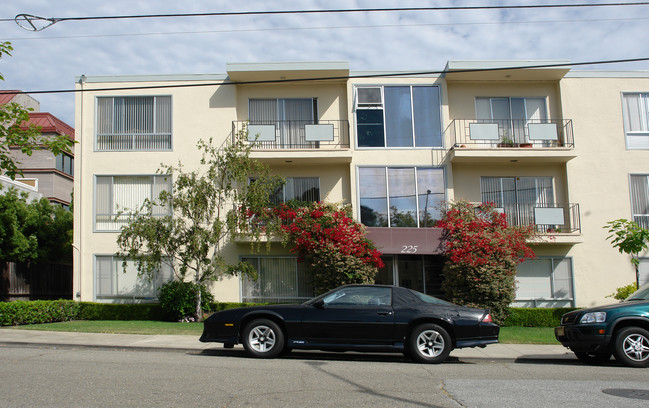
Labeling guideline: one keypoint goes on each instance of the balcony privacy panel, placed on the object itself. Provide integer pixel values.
(319, 133)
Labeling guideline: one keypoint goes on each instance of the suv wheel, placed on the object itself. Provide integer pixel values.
(631, 347)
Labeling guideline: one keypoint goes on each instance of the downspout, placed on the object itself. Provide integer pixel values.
(79, 174)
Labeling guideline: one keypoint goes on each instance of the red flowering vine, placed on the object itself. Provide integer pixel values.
(483, 252)
(331, 241)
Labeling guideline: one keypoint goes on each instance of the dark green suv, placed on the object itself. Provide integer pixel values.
(621, 329)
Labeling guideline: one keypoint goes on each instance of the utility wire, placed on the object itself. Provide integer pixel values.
(243, 30)
(314, 79)
(26, 21)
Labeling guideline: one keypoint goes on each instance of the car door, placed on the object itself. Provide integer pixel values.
(351, 315)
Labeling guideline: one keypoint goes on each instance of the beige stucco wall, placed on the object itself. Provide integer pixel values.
(599, 178)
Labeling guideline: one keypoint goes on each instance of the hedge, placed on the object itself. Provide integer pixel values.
(536, 317)
(48, 311)
(38, 311)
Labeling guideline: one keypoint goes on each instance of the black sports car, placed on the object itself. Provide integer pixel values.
(359, 318)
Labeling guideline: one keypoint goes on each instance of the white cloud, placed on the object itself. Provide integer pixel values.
(414, 40)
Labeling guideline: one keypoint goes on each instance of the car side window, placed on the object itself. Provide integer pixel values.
(360, 296)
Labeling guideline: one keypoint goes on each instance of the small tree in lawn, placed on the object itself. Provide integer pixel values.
(333, 244)
(27, 139)
(629, 238)
(206, 206)
(482, 252)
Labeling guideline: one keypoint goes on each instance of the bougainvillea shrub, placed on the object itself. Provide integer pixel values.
(326, 237)
(482, 253)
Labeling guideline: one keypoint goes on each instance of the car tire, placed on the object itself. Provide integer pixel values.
(429, 343)
(631, 347)
(263, 338)
(593, 358)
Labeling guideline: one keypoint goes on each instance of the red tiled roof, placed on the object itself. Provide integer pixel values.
(49, 124)
(7, 97)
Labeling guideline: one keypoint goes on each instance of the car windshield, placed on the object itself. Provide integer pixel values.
(640, 294)
(430, 299)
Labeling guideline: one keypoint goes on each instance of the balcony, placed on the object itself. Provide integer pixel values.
(555, 223)
(492, 140)
(307, 140)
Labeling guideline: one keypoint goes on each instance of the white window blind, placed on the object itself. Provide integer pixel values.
(118, 196)
(134, 123)
(113, 284)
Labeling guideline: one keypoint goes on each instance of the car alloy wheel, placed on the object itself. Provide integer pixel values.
(632, 347)
(263, 338)
(429, 343)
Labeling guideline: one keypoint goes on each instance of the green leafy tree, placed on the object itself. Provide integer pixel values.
(26, 139)
(629, 238)
(209, 206)
(482, 253)
(36, 231)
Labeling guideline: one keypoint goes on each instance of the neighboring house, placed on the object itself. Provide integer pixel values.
(51, 176)
(563, 150)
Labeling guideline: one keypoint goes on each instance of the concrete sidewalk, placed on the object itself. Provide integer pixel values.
(12, 336)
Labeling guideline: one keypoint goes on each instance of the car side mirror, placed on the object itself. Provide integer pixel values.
(319, 304)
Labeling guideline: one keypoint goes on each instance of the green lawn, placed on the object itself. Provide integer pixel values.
(521, 335)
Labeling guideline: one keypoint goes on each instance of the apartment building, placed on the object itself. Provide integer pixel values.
(563, 150)
(44, 173)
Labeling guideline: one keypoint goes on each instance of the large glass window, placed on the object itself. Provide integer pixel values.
(289, 116)
(513, 116)
(298, 189)
(398, 116)
(118, 196)
(400, 196)
(544, 282)
(635, 108)
(133, 123)
(640, 199)
(281, 280)
(422, 273)
(518, 196)
(65, 163)
(114, 284)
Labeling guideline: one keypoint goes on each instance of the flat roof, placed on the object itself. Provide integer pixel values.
(506, 70)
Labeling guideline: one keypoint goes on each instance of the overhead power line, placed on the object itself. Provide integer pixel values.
(314, 79)
(351, 27)
(37, 23)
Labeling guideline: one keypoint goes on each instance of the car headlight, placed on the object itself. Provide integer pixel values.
(593, 317)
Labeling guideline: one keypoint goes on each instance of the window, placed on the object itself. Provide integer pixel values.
(289, 116)
(513, 116)
(112, 284)
(298, 189)
(643, 271)
(400, 196)
(281, 280)
(640, 199)
(360, 296)
(518, 196)
(65, 164)
(121, 194)
(635, 108)
(398, 116)
(544, 282)
(133, 123)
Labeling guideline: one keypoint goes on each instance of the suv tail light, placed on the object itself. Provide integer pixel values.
(487, 318)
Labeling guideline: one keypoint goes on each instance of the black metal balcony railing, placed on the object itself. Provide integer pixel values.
(493, 133)
(546, 218)
(296, 134)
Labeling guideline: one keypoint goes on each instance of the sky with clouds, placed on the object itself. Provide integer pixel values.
(407, 40)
